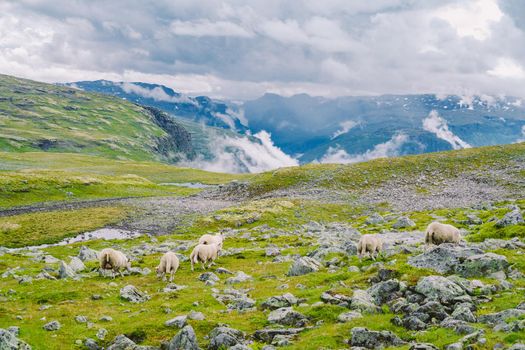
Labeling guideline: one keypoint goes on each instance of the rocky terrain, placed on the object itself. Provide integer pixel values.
(289, 276)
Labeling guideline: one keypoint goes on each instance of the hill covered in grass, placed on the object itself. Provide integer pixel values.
(43, 117)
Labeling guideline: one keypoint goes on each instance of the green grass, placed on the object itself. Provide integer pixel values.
(51, 227)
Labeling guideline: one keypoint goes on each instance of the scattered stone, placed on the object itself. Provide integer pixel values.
(444, 258)
(482, 265)
(383, 292)
(463, 312)
(209, 276)
(9, 340)
(403, 222)
(91, 344)
(77, 265)
(304, 265)
(81, 319)
(87, 254)
(196, 315)
(132, 294)
(179, 322)
(267, 335)
(513, 217)
(52, 326)
(239, 278)
(172, 287)
(423, 346)
(374, 219)
(96, 297)
(102, 333)
(65, 271)
(286, 316)
(363, 302)
(368, 339)
(501, 317)
(185, 339)
(224, 271)
(225, 338)
(272, 251)
(439, 288)
(105, 318)
(276, 302)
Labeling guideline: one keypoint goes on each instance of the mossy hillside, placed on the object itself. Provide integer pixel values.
(431, 168)
(38, 116)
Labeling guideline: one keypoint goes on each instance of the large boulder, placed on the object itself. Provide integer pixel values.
(239, 278)
(179, 321)
(132, 294)
(65, 271)
(87, 254)
(52, 326)
(384, 291)
(286, 316)
(482, 265)
(184, 340)
(439, 288)
(363, 337)
(9, 340)
(304, 265)
(501, 317)
(511, 218)
(267, 335)
(121, 342)
(276, 302)
(444, 258)
(403, 222)
(77, 265)
(224, 338)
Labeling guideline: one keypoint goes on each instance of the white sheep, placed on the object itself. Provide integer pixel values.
(111, 259)
(369, 244)
(438, 233)
(169, 263)
(204, 253)
(218, 239)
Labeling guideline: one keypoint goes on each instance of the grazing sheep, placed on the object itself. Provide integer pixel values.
(438, 233)
(204, 253)
(111, 259)
(169, 263)
(209, 239)
(371, 245)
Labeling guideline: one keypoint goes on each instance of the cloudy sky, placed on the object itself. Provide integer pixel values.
(241, 49)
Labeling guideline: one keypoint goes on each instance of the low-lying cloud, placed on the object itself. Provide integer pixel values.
(157, 93)
(438, 126)
(390, 148)
(346, 126)
(240, 154)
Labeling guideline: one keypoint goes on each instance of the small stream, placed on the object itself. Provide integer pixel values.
(198, 185)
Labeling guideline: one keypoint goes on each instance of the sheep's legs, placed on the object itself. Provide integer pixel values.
(171, 277)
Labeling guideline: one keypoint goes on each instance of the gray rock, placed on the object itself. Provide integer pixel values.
(363, 302)
(91, 344)
(52, 326)
(276, 302)
(132, 294)
(374, 219)
(239, 278)
(385, 291)
(77, 265)
(518, 346)
(102, 333)
(222, 270)
(121, 342)
(184, 340)
(179, 322)
(304, 265)
(458, 326)
(65, 271)
(423, 346)
(513, 217)
(348, 316)
(336, 299)
(286, 316)
(87, 254)
(369, 339)
(439, 288)
(209, 276)
(81, 319)
(482, 265)
(500, 317)
(9, 341)
(105, 318)
(272, 251)
(403, 222)
(463, 312)
(443, 258)
(267, 335)
(225, 337)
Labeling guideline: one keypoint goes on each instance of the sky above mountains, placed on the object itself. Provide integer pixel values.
(241, 49)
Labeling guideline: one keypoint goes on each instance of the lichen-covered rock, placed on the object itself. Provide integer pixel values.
(132, 294)
(348, 316)
(286, 316)
(184, 340)
(121, 342)
(513, 217)
(374, 219)
(439, 288)
(385, 291)
(500, 317)
(279, 301)
(369, 339)
(267, 335)
(65, 271)
(239, 278)
(482, 265)
(224, 338)
(443, 258)
(304, 265)
(179, 321)
(363, 302)
(77, 265)
(463, 312)
(87, 254)
(52, 326)
(423, 346)
(403, 222)
(9, 341)
(208, 276)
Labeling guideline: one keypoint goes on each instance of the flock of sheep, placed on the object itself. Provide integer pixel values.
(206, 251)
(210, 246)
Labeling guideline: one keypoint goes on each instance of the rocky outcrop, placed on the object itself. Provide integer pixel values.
(369, 339)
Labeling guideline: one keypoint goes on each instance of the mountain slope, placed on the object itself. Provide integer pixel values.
(199, 109)
(43, 117)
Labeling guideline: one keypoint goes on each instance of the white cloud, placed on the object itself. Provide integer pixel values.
(387, 149)
(522, 138)
(157, 93)
(473, 18)
(240, 154)
(438, 126)
(208, 28)
(346, 126)
(507, 68)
